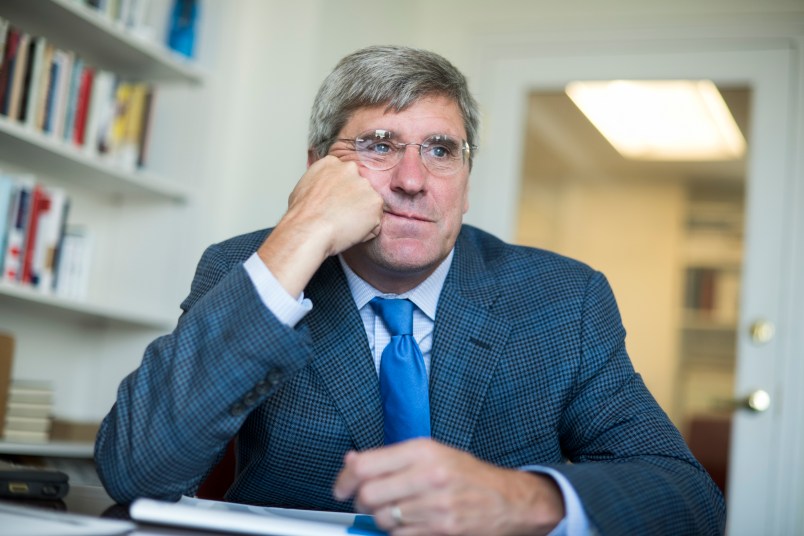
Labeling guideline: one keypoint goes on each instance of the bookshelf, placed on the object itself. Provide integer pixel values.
(136, 215)
(51, 449)
(102, 42)
(711, 271)
(22, 298)
(43, 155)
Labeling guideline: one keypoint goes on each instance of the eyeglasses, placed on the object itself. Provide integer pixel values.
(442, 155)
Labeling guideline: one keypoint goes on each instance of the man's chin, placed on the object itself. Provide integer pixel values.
(400, 256)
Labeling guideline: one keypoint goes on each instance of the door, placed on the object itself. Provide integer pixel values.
(761, 499)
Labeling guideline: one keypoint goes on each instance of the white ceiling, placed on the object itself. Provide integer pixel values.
(561, 144)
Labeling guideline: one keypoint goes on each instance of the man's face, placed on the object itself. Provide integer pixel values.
(422, 211)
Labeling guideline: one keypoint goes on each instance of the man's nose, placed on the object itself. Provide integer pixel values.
(410, 175)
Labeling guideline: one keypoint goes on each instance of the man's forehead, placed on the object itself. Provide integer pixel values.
(424, 117)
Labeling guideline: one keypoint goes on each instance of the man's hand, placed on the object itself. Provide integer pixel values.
(331, 209)
(423, 487)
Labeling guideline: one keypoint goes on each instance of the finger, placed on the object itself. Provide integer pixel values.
(390, 489)
(364, 466)
(404, 523)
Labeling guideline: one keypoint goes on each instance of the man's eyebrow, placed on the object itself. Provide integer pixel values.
(393, 135)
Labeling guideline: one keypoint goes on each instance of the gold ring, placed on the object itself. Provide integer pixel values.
(396, 515)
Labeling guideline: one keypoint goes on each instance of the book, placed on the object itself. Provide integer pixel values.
(30, 70)
(100, 110)
(30, 392)
(82, 105)
(20, 409)
(145, 127)
(73, 90)
(111, 139)
(17, 77)
(129, 150)
(56, 263)
(4, 24)
(40, 205)
(234, 518)
(49, 233)
(45, 87)
(74, 262)
(21, 436)
(57, 116)
(18, 221)
(6, 363)
(7, 189)
(35, 74)
(28, 424)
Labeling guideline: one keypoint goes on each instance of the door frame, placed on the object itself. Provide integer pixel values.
(766, 447)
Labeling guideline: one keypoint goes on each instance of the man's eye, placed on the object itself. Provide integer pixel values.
(380, 148)
(441, 151)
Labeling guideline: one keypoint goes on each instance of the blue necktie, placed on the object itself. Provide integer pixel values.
(403, 378)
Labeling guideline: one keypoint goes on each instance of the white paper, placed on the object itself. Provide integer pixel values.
(246, 519)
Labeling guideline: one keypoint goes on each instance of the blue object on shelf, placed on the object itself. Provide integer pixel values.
(183, 19)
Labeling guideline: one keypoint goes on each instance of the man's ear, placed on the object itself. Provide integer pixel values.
(311, 158)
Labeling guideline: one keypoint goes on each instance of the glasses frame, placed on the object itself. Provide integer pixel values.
(467, 151)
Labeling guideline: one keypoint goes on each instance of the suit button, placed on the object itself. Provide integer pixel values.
(237, 409)
(250, 398)
(273, 377)
(262, 387)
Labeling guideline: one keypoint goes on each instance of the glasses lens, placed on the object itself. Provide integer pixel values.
(442, 155)
(376, 150)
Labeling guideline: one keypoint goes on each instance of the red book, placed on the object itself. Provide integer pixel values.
(40, 204)
(82, 105)
(7, 69)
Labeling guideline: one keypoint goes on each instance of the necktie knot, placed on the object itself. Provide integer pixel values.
(397, 315)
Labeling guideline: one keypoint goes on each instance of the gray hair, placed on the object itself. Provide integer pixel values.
(394, 76)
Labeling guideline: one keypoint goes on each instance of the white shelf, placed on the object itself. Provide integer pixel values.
(54, 449)
(100, 41)
(42, 154)
(25, 297)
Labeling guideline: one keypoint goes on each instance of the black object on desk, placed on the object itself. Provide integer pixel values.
(19, 482)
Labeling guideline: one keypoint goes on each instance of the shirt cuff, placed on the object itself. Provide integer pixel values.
(286, 308)
(575, 522)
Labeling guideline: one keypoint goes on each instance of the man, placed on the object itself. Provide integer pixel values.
(285, 346)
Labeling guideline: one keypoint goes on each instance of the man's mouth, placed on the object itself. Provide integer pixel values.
(407, 215)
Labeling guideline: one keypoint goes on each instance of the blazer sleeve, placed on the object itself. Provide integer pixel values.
(175, 414)
(630, 466)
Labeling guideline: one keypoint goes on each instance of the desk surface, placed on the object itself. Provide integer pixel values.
(93, 501)
(88, 500)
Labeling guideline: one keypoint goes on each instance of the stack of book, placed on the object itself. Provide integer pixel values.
(28, 411)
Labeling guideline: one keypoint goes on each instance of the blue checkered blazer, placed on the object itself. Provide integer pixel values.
(529, 366)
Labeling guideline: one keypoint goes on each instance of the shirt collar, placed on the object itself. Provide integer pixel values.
(424, 295)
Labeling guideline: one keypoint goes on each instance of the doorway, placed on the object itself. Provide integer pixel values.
(669, 237)
(762, 496)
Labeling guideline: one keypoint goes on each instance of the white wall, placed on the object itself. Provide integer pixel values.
(240, 139)
(630, 230)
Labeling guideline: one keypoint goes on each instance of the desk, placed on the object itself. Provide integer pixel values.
(93, 501)
(90, 501)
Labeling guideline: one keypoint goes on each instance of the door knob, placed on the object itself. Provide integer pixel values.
(761, 331)
(756, 401)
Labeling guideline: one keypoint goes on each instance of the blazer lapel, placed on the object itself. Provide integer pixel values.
(342, 355)
(467, 344)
